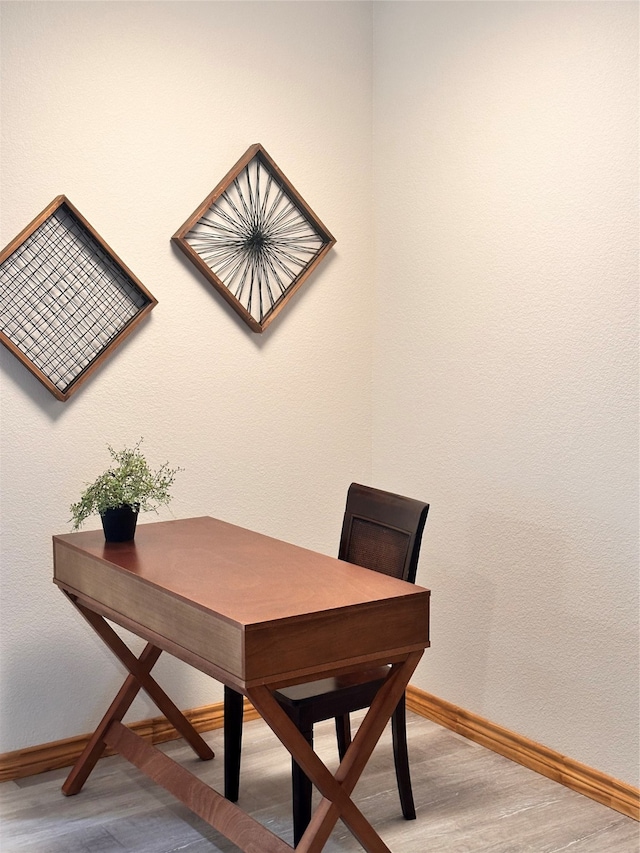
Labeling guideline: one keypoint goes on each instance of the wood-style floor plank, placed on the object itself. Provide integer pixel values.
(468, 800)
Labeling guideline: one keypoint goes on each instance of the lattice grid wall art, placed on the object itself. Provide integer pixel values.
(255, 239)
(66, 299)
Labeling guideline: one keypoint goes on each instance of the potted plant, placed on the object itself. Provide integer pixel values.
(124, 489)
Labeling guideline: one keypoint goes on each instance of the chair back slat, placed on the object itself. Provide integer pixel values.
(376, 547)
(382, 531)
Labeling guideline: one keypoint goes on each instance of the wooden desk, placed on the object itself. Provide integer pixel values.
(254, 613)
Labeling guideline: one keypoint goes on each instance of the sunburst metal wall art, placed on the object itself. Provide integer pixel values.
(255, 239)
(66, 299)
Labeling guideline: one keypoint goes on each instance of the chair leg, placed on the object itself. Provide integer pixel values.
(233, 710)
(343, 733)
(401, 758)
(302, 792)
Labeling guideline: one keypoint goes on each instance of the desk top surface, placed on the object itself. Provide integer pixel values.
(241, 575)
(244, 607)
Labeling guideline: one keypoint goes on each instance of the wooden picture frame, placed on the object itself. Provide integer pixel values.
(255, 239)
(66, 299)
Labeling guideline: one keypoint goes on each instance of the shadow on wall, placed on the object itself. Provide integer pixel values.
(462, 614)
(493, 607)
(529, 584)
(89, 679)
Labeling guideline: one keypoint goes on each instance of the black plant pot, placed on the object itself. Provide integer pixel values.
(119, 523)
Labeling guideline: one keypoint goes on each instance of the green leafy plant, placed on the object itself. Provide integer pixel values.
(129, 482)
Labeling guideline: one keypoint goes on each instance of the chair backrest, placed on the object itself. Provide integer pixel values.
(382, 531)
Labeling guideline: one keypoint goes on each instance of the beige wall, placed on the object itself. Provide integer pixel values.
(135, 112)
(506, 369)
(500, 326)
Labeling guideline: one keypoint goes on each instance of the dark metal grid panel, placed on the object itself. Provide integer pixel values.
(63, 299)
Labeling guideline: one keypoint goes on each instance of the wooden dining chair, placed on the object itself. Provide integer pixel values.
(380, 531)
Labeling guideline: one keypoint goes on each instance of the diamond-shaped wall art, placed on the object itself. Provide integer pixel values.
(255, 239)
(66, 299)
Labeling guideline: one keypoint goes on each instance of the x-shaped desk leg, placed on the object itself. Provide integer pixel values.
(139, 677)
(336, 791)
(249, 834)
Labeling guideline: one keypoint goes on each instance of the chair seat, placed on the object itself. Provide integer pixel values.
(311, 689)
(319, 700)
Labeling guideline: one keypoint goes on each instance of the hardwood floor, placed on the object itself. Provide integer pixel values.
(468, 800)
